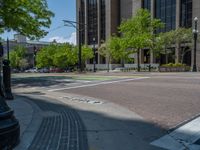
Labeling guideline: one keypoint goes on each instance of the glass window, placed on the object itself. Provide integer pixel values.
(82, 21)
(186, 13)
(146, 4)
(92, 22)
(166, 11)
(103, 21)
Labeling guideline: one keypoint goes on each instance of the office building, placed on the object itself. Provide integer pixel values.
(99, 19)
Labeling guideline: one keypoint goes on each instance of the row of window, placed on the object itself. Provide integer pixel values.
(166, 11)
(92, 21)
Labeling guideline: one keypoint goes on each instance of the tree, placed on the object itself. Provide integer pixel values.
(64, 56)
(61, 55)
(176, 38)
(23, 63)
(114, 50)
(138, 32)
(18, 57)
(44, 57)
(27, 17)
(182, 36)
(86, 53)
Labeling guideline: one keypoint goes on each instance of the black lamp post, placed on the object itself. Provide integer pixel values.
(8, 49)
(9, 126)
(80, 29)
(94, 53)
(195, 32)
(34, 55)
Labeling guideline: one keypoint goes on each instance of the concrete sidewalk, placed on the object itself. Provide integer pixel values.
(46, 124)
(51, 124)
(28, 115)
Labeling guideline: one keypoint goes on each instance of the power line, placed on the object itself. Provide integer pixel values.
(54, 29)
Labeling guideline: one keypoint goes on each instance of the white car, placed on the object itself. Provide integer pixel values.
(31, 70)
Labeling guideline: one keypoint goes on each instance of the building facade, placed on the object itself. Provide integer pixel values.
(31, 46)
(99, 19)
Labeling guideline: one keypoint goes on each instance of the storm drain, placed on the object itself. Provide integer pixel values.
(62, 131)
(83, 100)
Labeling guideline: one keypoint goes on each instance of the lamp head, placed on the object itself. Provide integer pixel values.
(195, 19)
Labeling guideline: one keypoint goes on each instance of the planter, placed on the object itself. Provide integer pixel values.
(174, 69)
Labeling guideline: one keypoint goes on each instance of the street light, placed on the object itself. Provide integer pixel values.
(80, 28)
(94, 59)
(9, 125)
(195, 32)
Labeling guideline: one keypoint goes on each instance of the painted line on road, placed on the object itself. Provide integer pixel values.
(182, 138)
(96, 84)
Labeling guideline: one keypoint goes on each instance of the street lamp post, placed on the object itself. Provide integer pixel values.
(195, 32)
(80, 28)
(94, 59)
(34, 55)
(9, 125)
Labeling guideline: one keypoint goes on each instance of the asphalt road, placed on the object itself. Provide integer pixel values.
(163, 99)
(141, 107)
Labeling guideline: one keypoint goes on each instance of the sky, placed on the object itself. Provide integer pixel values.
(63, 10)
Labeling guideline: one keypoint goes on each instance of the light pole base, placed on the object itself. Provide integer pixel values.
(9, 127)
(194, 68)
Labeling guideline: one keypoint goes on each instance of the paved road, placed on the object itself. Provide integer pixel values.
(137, 109)
(167, 100)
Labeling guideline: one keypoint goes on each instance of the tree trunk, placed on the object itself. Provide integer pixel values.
(177, 53)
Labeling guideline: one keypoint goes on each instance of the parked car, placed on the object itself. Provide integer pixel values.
(31, 70)
(15, 71)
(43, 70)
(56, 70)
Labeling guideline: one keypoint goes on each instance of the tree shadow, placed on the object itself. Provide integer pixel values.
(41, 81)
(89, 130)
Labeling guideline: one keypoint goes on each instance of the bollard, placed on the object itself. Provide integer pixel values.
(7, 80)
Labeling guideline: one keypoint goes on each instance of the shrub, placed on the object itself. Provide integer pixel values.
(174, 65)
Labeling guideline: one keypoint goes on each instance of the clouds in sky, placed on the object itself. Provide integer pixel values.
(59, 39)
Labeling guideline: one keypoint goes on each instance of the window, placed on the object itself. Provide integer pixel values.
(103, 21)
(166, 11)
(146, 4)
(186, 13)
(92, 22)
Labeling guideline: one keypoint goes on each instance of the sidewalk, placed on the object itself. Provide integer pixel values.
(46, 124)
(27, 114)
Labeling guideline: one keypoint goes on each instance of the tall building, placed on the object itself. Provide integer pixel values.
(99, 19)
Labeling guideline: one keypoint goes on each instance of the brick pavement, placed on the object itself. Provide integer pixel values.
(47, 124)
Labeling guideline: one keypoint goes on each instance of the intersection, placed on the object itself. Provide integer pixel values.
(145, 106)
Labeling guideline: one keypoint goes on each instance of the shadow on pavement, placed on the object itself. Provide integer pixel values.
(62, 128)
(40, 81)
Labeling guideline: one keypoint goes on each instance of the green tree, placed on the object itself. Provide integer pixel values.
(105, 52)
(23, 63)
(17, 57)
(114, 50)
(182, 36)
(138, 32)
(44, 57)
(86, 53)
(27, 17)
(64, 56)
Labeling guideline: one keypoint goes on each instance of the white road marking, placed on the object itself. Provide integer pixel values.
(182, 138)
(96, 84)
